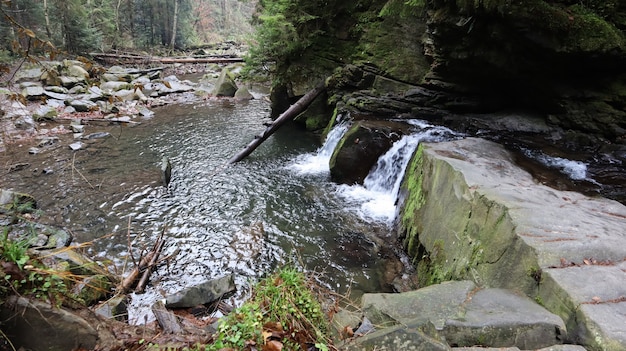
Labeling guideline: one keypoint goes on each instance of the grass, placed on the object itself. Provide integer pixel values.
(282, 313)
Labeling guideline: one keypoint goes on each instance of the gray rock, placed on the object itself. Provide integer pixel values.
(47, 141)
(112, 86)
(98, 135)
(57, 96)
(409, 337)
(207, 292)
(505, 229)
(41, 326)
(56, 89)
(114, 308)
(24, 122)
(243, 94)
(166, 171)
(45, 112)
(70, 82)
(77, 71)
(83, 105)
(76, 146)
(225, 85)
(34, 150)
(499, 318)
(23, 75)
(107, 107)
(78, 89)
(33, 93)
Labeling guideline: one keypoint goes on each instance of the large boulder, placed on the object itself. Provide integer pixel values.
(470, 213)
(463, 315)
(225, 85)
(359, 149)
(37, 325)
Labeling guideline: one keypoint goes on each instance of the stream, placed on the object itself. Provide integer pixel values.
(275, 207)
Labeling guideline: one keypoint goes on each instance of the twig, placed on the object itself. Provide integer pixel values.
(80, 174)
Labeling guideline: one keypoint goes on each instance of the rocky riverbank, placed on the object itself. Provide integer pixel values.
(68, 96)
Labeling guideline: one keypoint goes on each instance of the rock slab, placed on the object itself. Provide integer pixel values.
(504, 229)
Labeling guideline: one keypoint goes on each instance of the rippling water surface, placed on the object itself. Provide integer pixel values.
(244, 218)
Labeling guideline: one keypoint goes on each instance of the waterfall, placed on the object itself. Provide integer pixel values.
(376, 198)
(317, 162)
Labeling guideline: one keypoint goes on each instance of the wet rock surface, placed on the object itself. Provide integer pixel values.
(503, 229)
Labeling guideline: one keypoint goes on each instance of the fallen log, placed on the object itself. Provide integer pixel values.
(290, 114)
(163, 60)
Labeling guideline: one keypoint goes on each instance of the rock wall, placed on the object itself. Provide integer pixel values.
(468, 212)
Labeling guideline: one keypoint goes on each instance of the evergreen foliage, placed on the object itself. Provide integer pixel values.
(80, 26)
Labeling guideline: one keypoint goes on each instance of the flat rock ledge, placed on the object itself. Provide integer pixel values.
(469, 213)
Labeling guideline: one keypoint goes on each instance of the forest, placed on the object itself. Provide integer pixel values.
(81, 26)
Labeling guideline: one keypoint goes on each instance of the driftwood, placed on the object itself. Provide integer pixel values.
(138, 277)
(163, 60)
(290, 114)
(166, 319)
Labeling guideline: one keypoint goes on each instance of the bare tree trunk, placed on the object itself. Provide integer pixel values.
(291, 113)
(175, 23)
(47, 19)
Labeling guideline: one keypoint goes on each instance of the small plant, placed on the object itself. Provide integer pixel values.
(13, 251)
(283, 313)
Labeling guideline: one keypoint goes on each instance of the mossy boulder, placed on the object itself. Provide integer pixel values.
(359, 150)
(225, 85)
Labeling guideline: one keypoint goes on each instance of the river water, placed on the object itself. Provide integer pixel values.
(275, 207)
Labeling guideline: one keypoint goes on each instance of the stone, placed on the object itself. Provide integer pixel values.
(55, 327)
(166, 171)
(24, 122)
(98, 135)
(207, 292)
(33, 92)
(69, 82)
(243, 94)
(83, 105)
(56, 95)
(111, 86)
(225, 85)
(28, 75)
(418, 337)
(45, 112)
(504, 229)
(92, 289)
(76, 146)
(11, 200)
(78, 264)
(359, 149)
(77, 71)
(499, 318)
(434, 304)
(114, 308)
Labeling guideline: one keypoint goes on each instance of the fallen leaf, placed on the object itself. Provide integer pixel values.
(596, 299)
(587, 262)
(273, 345)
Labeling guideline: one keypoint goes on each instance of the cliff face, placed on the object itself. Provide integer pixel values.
(561, 59)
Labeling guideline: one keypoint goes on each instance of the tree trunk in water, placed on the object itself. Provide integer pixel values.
(175, 22)
(290, 114)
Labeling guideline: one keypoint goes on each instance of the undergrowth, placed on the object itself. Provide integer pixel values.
(283, 313)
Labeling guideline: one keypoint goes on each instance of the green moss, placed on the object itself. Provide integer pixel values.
(415, 199)
(330, 124)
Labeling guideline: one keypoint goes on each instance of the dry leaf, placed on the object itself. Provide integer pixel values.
(273, 345)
